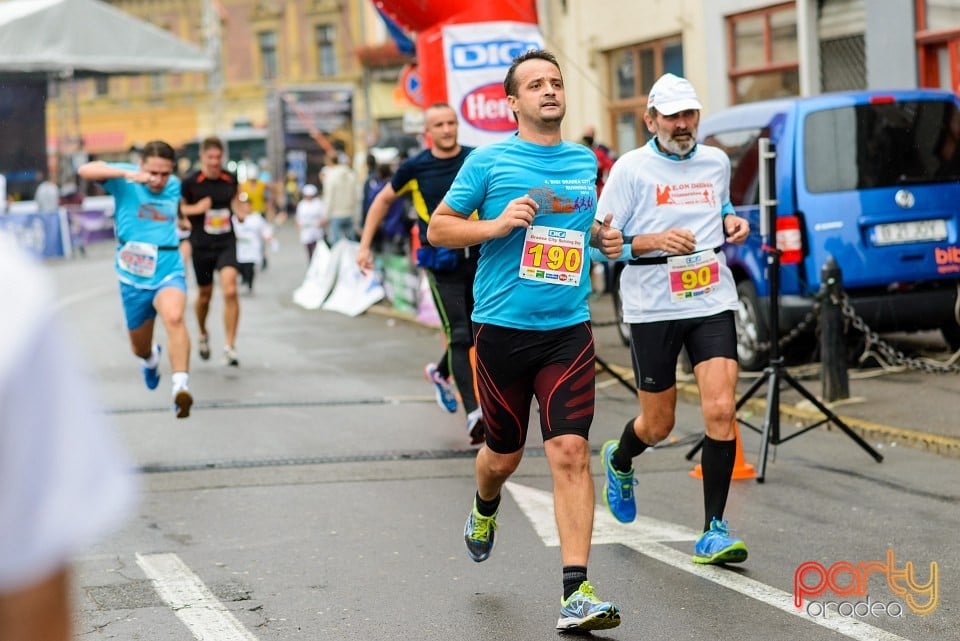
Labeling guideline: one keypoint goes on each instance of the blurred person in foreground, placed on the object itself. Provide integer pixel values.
(64, 480)
(148, 263)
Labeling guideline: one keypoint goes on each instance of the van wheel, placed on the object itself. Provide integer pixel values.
(751, 329)
(623, 329)
(951, 334)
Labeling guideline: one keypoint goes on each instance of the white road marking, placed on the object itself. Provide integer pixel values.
(203, 614)
(646, 536)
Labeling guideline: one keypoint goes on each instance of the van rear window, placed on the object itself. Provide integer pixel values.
(882, 145)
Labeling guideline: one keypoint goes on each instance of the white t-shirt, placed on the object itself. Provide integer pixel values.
(64, 480)
(250, 236)
(311, 214)
(648, 192)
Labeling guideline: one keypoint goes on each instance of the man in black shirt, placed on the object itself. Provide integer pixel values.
(209, 199)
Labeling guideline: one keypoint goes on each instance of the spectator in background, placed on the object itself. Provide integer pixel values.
(47, 195)
(290, 191)
(64, 481)
(340, 198)
(393, 234)
(604, 156)
(311, 219)
(604, 165)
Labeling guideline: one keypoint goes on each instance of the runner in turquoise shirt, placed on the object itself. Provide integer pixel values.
(148, 262)
(535, 196)
(561, 180)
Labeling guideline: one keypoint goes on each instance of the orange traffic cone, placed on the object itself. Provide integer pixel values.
(741, 469)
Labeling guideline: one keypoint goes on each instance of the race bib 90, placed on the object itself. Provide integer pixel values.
(693, 275)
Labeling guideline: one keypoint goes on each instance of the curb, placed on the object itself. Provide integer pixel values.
(948, 446)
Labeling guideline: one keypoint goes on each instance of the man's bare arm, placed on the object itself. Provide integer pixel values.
(449, 228)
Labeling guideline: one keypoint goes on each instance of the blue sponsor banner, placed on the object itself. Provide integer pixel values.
(39, 234)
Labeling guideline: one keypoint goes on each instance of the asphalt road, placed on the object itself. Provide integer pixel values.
(318, 492)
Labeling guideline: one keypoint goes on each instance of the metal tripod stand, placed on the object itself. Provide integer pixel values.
(775, 373)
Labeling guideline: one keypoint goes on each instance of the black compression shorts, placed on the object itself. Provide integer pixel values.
(655, 347)
(514, 365)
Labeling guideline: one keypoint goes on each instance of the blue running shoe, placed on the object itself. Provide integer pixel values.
(478, 533)
(618, 486)
(151, 375)
(446, 395)
(584, 611)
(716, 546)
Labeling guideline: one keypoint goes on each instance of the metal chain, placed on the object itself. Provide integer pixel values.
(893, 355)
(808, 321)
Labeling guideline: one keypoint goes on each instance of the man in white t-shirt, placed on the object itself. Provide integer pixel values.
(671, 200)
(63, 479)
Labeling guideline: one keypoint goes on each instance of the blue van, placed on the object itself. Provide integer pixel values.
(870, 178)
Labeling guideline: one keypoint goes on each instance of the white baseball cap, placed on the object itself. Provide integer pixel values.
(672, 94)
(309, 190)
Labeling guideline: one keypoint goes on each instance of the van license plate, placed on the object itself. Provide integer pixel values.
(910, 232)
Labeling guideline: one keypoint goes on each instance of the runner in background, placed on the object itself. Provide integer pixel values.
(209, 200)
(311, 218)
(253, 234)
(425, 178)
(148, 262)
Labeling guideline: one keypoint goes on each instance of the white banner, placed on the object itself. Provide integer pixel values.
(477, 57)
(335, 283)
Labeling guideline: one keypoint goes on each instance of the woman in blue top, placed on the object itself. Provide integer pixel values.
(148, 262)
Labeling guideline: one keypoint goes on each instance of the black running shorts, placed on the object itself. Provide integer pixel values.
(514, 365)
(655, 347)
(207, 260)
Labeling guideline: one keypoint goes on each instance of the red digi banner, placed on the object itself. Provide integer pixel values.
(463, 50)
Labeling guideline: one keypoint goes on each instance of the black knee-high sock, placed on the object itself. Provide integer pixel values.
(717, 464)
(630, 447)
(573, 576)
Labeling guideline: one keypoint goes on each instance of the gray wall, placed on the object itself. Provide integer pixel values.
(890, 45)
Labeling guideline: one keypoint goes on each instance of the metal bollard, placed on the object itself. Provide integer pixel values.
(833, 347)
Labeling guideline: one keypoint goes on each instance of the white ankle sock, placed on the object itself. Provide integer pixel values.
(154, 358)
(180, 380)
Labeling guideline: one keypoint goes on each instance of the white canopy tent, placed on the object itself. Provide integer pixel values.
(81, 37)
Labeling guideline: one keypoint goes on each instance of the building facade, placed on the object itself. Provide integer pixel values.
(273, 57)
(737, 51)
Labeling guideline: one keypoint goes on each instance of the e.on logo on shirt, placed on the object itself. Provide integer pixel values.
(686, 194)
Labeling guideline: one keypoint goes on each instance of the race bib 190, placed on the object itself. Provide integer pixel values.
(553, 255)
